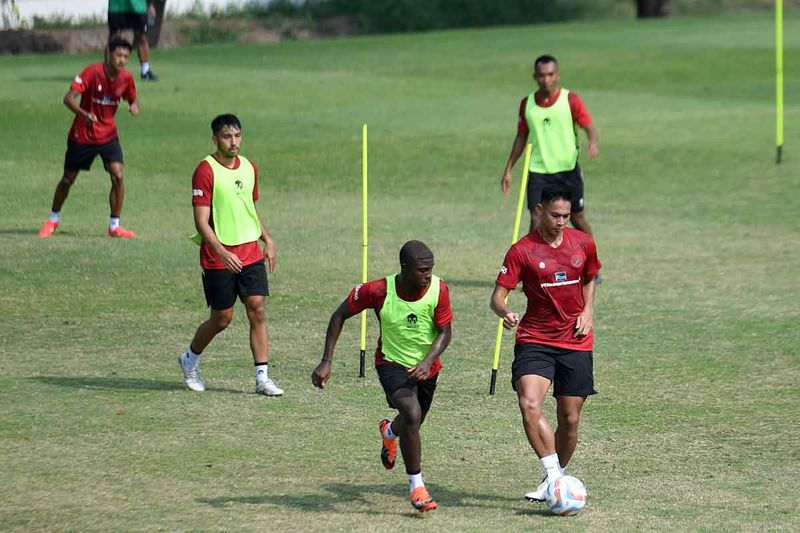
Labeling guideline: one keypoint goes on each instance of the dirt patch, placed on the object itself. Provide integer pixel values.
(176, 33)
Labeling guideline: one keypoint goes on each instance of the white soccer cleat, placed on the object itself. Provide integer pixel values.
(191, 375)
(540, 494)
(268, 387)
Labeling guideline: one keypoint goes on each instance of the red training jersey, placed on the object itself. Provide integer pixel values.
(580, 114)
(100, 95)
(552, 280)
(372, 294)
(202, 194)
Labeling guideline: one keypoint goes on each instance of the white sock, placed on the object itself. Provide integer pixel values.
(55, 216)
(551, 467)
(262, 372)
(415, 480)
(191, 358)
(113, 223)
(145, 67)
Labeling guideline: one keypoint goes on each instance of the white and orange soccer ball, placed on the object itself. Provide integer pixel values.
(566, 496)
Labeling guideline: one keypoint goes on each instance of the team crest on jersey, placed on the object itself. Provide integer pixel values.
(576, 261)
(411, 320)
(541, 265)
(561, 276)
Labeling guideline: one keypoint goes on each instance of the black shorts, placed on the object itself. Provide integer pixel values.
(81, 156)
(571, 179)
(222, 286)
(570, 371)
(395, 377)
(127, 21)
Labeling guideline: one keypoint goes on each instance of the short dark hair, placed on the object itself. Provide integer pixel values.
(544, 59)
(119, 42)
(227, 119)
(555, 192)
(414, 251)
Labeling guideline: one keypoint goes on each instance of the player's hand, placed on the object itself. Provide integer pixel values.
(421, 371)
(151, 15)
(231, 261)
(134, 108)
(505, 183)
(584, 324)
(321, 374)
(511, 320)
(593, 150)
(271, 254)
(91, 118)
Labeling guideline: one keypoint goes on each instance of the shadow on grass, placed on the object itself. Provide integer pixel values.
(25, 231)
(120, 384)
(346, 495)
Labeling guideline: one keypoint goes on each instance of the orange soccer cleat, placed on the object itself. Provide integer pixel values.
(389, 446)
(422, 501)
(48, 228)
(121, 233)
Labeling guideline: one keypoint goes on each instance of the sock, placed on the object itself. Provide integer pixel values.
(191, 357)
(262, 372)
(388, 433)
(551, 467)
(113, 223)
(415, 480)
(55, 216)
(145, 67)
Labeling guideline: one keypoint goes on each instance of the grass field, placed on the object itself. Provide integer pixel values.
(696, 424)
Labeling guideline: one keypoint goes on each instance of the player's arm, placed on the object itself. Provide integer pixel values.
(270, 249)
(498, 305)
(584, 323)
(581, 116)
(591, 135)
(202, 217)
(133, 107)
(440, 343)
(322, 372)
(516, 150)
(71, 101)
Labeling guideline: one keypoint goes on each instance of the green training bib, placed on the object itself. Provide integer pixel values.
(555, 139)
(407, 328)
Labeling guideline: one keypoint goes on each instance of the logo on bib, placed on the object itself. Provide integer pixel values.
(411, 320)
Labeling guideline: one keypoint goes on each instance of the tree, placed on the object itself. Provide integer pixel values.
(652, 8)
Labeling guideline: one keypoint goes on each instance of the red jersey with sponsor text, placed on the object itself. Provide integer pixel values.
(552, 280)
(100, 95)
(202, 194)
(371, 295)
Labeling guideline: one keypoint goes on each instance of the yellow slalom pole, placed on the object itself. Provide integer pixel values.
(364, 248)
(779, 80)
(520, 202)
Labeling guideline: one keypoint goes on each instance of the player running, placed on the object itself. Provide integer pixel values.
(557, 266)
(224, 192)
(101, 87)
(413, 308)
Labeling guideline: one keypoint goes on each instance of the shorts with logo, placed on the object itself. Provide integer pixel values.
(570, 371)
(222, 287)
(136, 22)
(395, 377)
(81, 156)
(571, 179)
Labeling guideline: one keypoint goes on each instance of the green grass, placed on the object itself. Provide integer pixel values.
(696, 423)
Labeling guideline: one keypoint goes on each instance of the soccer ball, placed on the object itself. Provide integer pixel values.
(566, 496)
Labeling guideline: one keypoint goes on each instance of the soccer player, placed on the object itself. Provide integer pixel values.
(135, 15)
(557, 266)
(552, 115)
(224, 192)
(413, 308)
(101, 87)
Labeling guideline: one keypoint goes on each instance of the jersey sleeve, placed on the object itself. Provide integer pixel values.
(443, 314)
(366, 295)
(579, 112)
(522, 124)
(593, 264)
(202, 184)
(255, 185)
(130, 91)
(83, 80)
(509, 275)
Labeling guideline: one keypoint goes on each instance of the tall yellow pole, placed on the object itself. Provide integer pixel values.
(779, 80)
(364, 248)
(520, 203)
